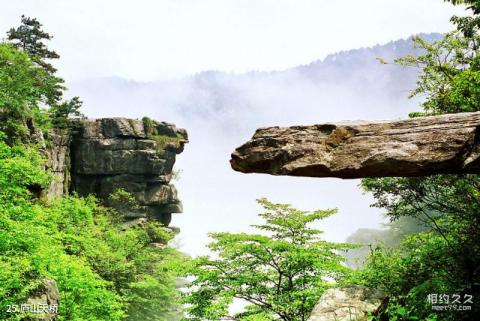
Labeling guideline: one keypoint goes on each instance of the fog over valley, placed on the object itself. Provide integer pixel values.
(222, 110)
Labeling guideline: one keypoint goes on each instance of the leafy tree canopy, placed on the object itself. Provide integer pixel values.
(31, 94)
(279, 274)
(445, 259)
(474, 5)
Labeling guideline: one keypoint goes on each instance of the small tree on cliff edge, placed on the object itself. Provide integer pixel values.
(280, 274)
(30, 38)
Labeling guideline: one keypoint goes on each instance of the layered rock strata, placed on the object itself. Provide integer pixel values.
(413, 147)
(133, 155)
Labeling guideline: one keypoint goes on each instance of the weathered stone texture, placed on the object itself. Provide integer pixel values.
(47, 298)
(57, 154)
(117, 153)
(413, 147)
(346, 304)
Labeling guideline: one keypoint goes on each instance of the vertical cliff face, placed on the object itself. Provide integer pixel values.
(117, 153)
(105, 155)
(57, 154)
(137, 156)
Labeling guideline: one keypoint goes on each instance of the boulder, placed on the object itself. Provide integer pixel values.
(348, 303)
(44, 303)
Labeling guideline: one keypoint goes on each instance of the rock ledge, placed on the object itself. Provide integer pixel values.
(413, 147)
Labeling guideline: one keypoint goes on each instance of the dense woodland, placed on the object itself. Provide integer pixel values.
(107, 271)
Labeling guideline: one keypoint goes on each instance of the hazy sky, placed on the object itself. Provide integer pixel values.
(155, 39)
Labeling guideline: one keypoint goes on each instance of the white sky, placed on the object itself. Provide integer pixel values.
(158, 39)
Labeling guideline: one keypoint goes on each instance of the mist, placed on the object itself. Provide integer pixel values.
(222, 110)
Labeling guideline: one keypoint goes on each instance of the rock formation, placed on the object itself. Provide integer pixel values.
(109, 154)
(57, 156)
(136, 156)
(413, 147)
(43, 304)
(348, 303)
(105, 155)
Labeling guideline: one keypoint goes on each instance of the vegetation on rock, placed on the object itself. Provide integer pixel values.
(104, 269)
(445, 258)
(162, 139)
(107, 270)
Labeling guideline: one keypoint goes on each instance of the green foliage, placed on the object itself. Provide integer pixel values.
(62, 113)
(121, 199)
(449, 74)
(164, 140)
(149, 126)
(104, 271)
(280, 273)
(20, 169)
(31, 249)
(31, 95)
(151, 130)
(29, 38)
(443, 259)
(23, 88)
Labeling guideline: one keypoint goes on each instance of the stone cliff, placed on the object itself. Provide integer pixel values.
(117, 153)
(57, 154)
(106, 155)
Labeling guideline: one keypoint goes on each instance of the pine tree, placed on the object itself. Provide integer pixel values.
(29, 37)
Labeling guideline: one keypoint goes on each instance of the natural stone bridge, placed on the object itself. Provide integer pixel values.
(413, 147)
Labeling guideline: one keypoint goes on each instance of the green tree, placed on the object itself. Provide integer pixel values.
(24, 86)
(279, 274)
(445, 259)
(449, 75)
(65, 114)
(29, 37)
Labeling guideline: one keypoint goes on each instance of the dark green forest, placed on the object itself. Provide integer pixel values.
(107, 270)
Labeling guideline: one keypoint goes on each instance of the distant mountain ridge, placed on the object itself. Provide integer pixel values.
(222, 110)
(221, 95)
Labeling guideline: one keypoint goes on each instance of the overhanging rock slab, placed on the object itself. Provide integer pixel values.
(412, 147)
